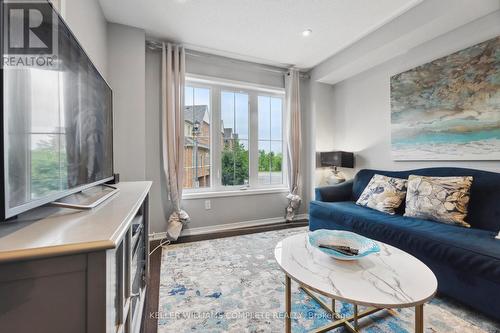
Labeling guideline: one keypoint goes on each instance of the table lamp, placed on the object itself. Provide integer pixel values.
(336, 159)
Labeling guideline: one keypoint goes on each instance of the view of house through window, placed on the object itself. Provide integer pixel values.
(197, 166)
(247, 150)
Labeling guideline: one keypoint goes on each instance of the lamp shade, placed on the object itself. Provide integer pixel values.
(337, 159)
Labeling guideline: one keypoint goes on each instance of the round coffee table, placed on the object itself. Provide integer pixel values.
(389, 279)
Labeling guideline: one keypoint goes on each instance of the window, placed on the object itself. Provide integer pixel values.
(246, 125)
(197, 167)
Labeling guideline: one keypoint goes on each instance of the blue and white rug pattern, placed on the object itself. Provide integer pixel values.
(235, 285)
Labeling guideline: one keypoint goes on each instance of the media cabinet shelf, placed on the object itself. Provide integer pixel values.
(64, 270)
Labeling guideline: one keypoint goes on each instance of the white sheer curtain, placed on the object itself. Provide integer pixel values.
(294, 142)
(173, 72)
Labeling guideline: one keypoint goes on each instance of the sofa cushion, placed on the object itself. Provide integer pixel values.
(484, 210)
(384, 194)
(442, 199)
(464, 249)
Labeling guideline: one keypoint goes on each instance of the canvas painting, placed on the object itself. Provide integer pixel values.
(449, 109)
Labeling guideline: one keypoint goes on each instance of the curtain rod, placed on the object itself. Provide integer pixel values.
(157, 45)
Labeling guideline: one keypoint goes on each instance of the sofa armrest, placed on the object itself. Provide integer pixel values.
(333, 193)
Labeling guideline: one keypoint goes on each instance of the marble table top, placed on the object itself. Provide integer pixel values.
(391, 278)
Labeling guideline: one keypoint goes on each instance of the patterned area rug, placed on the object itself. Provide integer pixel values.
(235, 285)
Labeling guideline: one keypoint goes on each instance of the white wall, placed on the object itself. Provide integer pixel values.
(86, 19)
(224, 210)
(321, 107)
(126, 69)
(308, 142)
(361, 109)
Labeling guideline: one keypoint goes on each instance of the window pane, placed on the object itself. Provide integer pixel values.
(234, 150)
(201, 96)
(241, 162)
(227, 113)
(264, 177)
(197, 118)
(227, 162)
(264, 110)
(276, 119)
(241, 115)
(234, 161)
(270, 111)
(276, 159)
(188, 95)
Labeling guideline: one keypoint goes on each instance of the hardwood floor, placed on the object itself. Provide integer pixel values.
(150, 322)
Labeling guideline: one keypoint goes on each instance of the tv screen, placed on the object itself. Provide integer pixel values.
(57, 119)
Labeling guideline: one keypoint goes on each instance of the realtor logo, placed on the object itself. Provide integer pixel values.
(29, 34)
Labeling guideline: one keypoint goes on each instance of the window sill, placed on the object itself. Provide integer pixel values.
(232, 193)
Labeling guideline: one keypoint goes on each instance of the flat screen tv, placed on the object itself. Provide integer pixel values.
(57, 115)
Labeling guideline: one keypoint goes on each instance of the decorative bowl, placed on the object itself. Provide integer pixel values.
(364, 245)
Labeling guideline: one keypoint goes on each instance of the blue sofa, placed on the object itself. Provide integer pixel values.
(465, 261)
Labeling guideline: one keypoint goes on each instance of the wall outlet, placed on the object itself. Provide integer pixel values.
(208, 204)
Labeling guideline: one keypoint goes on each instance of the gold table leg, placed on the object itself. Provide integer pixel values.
(288, 304)
(355, 319)
(350, 323)
(419, 318)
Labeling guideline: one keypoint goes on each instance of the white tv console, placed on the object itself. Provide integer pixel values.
(63, 270)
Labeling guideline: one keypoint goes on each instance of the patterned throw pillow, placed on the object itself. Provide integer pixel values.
(442, 199)
(383, 193)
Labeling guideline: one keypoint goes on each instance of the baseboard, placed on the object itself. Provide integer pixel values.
(227, 227)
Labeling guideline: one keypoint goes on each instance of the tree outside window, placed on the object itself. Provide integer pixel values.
(234, 159)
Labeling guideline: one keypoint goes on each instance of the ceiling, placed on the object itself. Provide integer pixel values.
(265, 31)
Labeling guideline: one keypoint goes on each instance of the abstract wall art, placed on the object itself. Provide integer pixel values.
(449, 109)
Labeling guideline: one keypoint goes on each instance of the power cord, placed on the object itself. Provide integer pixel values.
(163, 242)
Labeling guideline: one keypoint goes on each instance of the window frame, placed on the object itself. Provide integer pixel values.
(217, 86)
